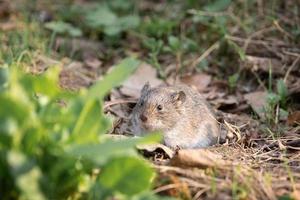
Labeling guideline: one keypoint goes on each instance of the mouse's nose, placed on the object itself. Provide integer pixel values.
(143, 118)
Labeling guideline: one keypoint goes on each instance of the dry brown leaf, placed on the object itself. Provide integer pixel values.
(257, 101)
(5, 9)
(294, 118)
(200, 81)
(263, 64)
(76, 75)
(201, 158)
(133, 85)
(79, 45)
(93, 62)
(229, 100)
(9, 26)
(151, 148)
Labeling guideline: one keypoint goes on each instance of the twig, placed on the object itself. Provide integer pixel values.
(205, 54)
(248, 40)
(166, 187)
(290, 69)
(282, 30)
(121, 101)
(233, 129)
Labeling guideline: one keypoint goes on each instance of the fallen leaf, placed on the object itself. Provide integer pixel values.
(79, 46)
(93, 62)
(152, 148)
(255, 63)
(221, 103)
(257, 100)
(133, 85)
(294, 118)
(200, 81)
(41, 63)
(76, 75)
(5, 9)
(201, 158)
(8, 26)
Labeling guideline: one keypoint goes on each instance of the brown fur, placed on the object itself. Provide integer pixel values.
(185, 118)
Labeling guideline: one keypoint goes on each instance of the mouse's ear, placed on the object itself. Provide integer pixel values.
(179, 97)
(145, 88)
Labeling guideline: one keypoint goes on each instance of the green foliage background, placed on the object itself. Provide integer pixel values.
(49, 151)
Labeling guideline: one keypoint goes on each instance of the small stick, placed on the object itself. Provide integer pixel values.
(205, 54)
(121, 101)
(290, 69)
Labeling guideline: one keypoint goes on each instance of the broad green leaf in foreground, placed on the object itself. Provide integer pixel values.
(128, 175)
(26, 174)
(118, 74)
(3, 77)
(90, 122)
(99, 153)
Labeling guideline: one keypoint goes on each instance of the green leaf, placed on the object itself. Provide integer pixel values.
(238, 49)
(3, 77)
(99, 153)
(233, 80)
(118, 74)
(272, 99)
(17, 110)
(63, 28)
(282, 91)
(45, 84)
(217, 5)
(128, 175)
(129, 22)
(90, 123)
(174, 43)
(27, 176)
(101, 16)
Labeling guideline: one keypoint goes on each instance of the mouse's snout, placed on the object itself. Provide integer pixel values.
(143, 118)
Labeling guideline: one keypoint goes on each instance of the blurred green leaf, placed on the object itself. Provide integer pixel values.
(174, 43)
(232, 80)
(99, 153)
(63, 28)
(217, 5)
(118, 74)
(90, 123)
(44, 84)
(128, 175)
(27, 175)
(17, 110)
(158, 27)
(129, 22)
(103, 18)
(282, 91)
(3, 77)
(121, 4)
(272, 99)
(100, 16)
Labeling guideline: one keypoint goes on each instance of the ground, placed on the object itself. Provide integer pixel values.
(242, 56)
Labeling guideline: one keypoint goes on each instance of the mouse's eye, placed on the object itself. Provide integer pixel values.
(159, 107)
